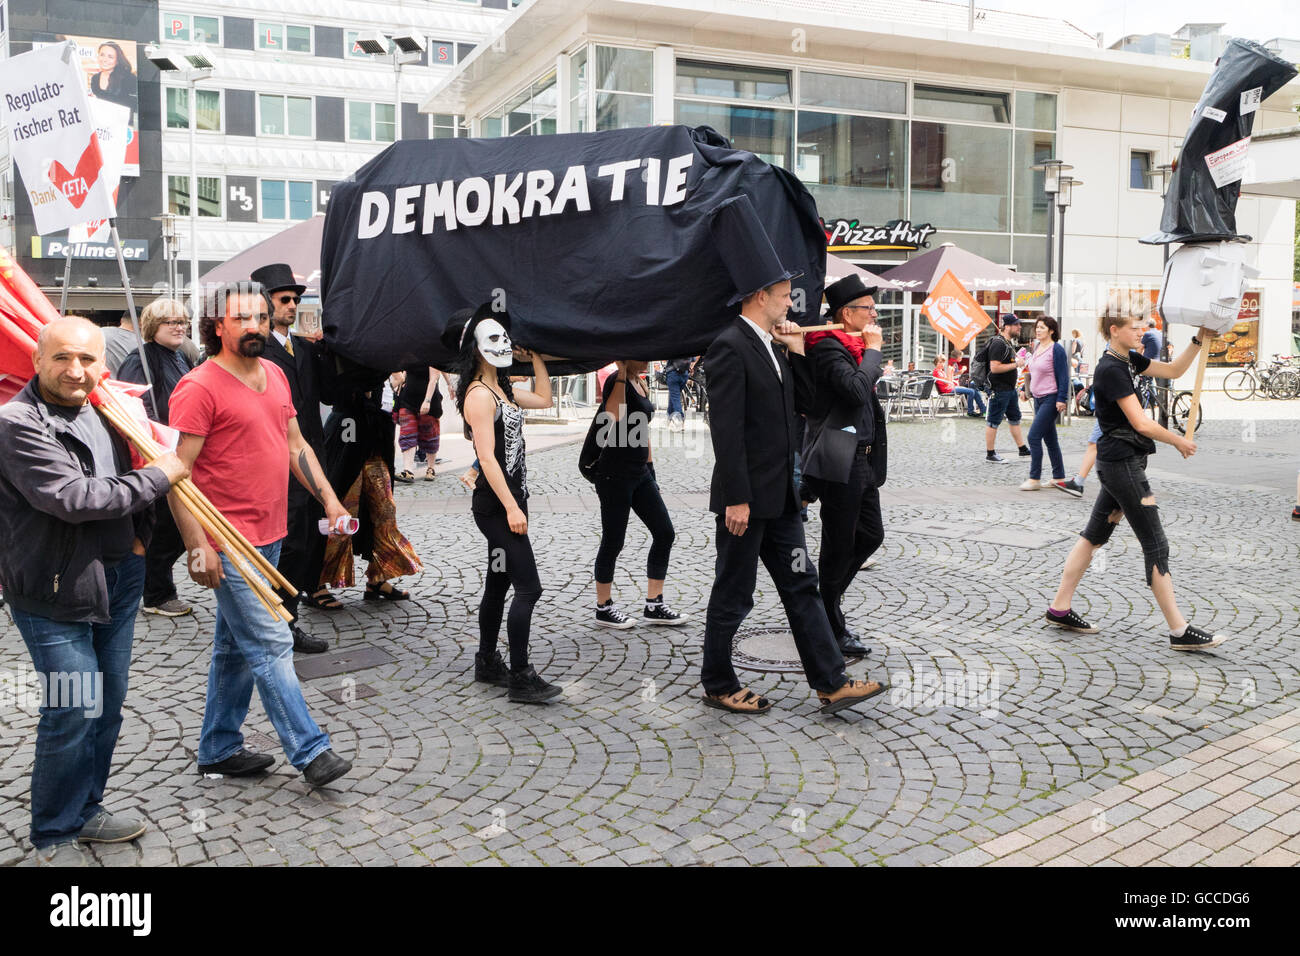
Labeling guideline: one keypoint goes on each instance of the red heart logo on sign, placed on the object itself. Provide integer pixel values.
(75, 185)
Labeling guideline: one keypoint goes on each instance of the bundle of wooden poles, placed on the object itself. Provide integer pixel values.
(251, 563)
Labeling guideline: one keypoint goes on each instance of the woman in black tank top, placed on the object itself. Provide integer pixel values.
(493, 415)
(625, 482)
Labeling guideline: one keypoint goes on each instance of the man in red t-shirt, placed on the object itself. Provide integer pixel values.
(240, 439)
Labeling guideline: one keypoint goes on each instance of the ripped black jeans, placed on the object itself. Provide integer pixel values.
(1123, 486)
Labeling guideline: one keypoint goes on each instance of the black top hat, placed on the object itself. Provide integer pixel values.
(461, 325)
(844, 291)
(745, 248)
(276, 277)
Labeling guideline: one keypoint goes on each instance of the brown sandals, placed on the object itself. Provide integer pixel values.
(743, 701)
(852, 692)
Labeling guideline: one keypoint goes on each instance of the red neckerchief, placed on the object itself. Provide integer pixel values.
(853, 343)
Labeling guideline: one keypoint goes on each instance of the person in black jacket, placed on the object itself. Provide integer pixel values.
(303, 552)
(752, 425)
(162, 324)
(847, 469)
(75, 521)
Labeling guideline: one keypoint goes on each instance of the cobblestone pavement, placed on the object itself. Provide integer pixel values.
(1001, 741)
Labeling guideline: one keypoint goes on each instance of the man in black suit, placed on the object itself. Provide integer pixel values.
(303, 551)
(751, 402)
(844, 455)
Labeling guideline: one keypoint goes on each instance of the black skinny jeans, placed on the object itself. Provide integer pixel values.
(619, 496)
(1123, 486)
(852, 531)
(510, 563)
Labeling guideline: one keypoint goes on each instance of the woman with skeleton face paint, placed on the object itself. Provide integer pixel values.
(494, 419)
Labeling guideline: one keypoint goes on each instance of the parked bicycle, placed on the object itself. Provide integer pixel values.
(1279, 379)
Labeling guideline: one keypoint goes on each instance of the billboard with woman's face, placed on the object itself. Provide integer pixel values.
(110, 70)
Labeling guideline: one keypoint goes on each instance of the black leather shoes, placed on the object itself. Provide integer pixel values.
(239, 764)
(304, 642)
(851, 646)
(326, 768)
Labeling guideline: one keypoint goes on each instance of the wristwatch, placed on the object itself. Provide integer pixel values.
(1196, 341)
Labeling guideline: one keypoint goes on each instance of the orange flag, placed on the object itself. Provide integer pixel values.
(953, 312)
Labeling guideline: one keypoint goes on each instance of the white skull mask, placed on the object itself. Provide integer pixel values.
(494, 343)
(1204, 283)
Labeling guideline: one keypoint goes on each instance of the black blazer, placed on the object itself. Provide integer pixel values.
(846, 394)
(300, 369)
(751, 422)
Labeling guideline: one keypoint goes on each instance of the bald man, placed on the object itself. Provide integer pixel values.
(74, 523)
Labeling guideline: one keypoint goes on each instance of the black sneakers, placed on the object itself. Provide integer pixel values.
(491, 670)
(1024, 451)
(527, 687)
(993, 458)
(657, 612)
(241, 763)
(1071, 622)
(609, 615)
(1195, 639)
(1072, 487)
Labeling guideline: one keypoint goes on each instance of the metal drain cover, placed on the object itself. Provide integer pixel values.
(341, 662)
(770, 650)
(346, 694)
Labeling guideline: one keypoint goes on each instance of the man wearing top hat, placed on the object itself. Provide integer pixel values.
(844, 452)
(303, 551)
(752, 423)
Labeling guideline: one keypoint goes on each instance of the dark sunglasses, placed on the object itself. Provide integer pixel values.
(286, 299)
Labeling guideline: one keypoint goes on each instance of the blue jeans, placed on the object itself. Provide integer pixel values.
(1004, 403)
(1043, 432)
(971, 395)
(84, 666)
(675, 382)
(250, 647)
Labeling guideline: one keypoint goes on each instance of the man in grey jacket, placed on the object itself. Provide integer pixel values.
(76, 521)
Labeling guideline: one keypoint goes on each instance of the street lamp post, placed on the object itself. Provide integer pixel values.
(407, 48)
(1065, 187)
(193, 65)
(1051, 170)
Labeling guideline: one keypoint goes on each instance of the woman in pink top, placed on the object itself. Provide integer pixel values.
(1047, 379)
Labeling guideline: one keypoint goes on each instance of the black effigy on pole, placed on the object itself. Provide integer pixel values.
(130, 303)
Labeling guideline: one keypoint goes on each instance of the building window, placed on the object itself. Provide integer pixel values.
(764, 132)
(1139, 170)
(977, 106)
(1031, 203)
(208, 118)
(724, 81)
(283, 37)
(445, 126)
(961, 177)
(852, 93)
(579, 84)
(178, 196)
(530, 113)
(191, 29)
(284, 115)
(282, 199)
(624, 82)
(371, 122)
(1036, 111)
(442, 53)
(857, 162)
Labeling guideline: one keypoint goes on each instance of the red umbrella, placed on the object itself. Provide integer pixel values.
(922, 273)
(299, 246)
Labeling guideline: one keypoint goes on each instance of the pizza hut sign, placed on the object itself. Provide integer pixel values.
(846, 235)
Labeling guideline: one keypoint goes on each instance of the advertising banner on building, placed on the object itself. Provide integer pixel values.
(53, 139)
(109, 70)
(597, 244)
(1240, 343)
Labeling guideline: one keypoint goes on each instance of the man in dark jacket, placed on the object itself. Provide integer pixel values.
(848, 468)
(303, 550)
(752, 425)
(76, 521)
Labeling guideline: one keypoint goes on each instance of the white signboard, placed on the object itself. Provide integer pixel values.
(1228, 165)
(53, 138)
